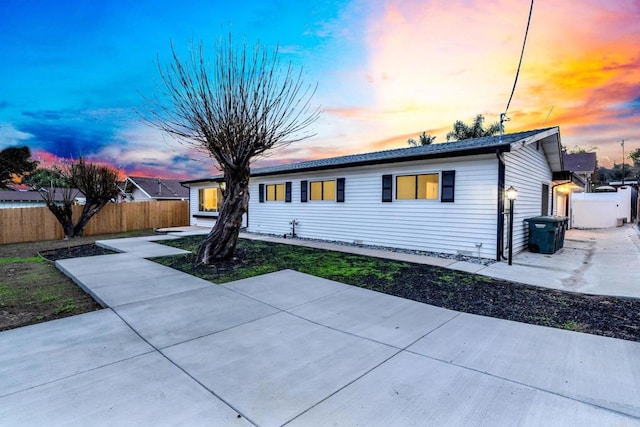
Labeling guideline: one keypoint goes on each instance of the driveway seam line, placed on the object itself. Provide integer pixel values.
(95, 368)
(159, 351)
(345, 386)
(219, 331)
(487, 373)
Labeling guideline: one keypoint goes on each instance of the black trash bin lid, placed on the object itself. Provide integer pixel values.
(548, 219)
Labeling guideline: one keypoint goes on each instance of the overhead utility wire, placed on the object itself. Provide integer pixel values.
(524, 43)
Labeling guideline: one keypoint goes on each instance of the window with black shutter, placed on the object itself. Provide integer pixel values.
(448, 186)
(287, 192)
(303, 191)
(387, 188)
(340, 190)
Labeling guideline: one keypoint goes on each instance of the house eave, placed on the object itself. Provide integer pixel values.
(565, 177)
(450, 154)
(551, 144)
(202, 180)
(139, 188)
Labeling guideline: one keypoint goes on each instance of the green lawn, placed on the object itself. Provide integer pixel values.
(254, 257)
(456, 290)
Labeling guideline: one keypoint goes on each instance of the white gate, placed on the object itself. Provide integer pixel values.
(601, 210)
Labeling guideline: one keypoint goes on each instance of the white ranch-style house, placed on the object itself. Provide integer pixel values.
(447, 197)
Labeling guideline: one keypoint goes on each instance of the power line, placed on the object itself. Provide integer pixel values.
(524, 43)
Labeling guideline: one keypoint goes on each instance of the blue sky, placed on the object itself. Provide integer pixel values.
(74, 72)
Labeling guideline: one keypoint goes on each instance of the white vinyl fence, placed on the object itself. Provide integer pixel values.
(601, 210)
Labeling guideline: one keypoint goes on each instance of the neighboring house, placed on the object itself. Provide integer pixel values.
(30, 199)
(143, 189)
(447, 197)
(577, 175)
(582, 165)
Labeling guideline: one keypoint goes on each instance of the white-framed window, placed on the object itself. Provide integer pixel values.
(209, 200)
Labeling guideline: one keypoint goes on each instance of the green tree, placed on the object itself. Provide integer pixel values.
(15, 164)
(423, 139)
(476, 129)
(635, 157)
(579, 150)
(237, 106)
(45, 177)
(98, 185)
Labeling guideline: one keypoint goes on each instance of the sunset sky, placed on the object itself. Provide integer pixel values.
(74, 72)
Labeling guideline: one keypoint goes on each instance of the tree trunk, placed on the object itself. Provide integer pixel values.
(220, 244)
(64, 215)
(88, 211)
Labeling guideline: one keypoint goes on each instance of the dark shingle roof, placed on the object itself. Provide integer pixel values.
(160, 188)
(579, 162)
(449, 149)
(32, 196)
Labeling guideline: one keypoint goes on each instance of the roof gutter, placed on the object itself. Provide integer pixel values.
(462, 153)
(217, 178)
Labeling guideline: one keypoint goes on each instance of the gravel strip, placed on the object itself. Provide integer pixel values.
(471, 259)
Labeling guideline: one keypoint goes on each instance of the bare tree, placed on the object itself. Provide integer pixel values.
(98, 185)
(237, 107)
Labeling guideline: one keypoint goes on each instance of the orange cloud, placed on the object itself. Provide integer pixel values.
(581, 64)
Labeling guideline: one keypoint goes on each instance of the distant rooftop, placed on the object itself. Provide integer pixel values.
(32, 196)
(160, 188)
(579, 162)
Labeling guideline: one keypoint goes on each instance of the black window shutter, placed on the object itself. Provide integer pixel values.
(448, 186)
(261, 193)
(340, 190)
(387, 188)
(303, 191)
(287, 192)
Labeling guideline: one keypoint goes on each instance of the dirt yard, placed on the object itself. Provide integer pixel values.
(32, 290)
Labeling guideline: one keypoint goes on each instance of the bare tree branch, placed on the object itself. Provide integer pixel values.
(237, 107)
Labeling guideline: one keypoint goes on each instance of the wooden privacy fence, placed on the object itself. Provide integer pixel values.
(37, 224)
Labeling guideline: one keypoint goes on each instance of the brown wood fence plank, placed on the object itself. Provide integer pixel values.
(38, 224)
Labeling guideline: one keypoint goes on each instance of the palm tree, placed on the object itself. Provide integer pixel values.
(462, 130)
(424, 140)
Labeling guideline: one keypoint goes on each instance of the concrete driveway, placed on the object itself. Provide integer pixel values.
(291, 349)
(601, 262)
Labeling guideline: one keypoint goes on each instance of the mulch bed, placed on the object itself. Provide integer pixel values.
(75, 252)
(595, 314)
(601, 315)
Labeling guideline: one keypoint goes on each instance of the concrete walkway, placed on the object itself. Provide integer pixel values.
(288, 348)
(601, 262)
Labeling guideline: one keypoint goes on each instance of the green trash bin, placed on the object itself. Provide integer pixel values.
(545, 234)
(564, 224)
